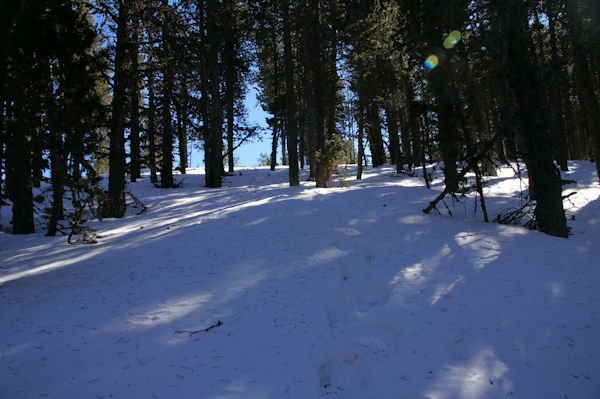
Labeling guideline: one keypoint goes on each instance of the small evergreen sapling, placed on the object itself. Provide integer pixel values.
(328, 157)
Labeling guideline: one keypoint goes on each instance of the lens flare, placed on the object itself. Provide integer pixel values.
(452, 39)
(431, 62)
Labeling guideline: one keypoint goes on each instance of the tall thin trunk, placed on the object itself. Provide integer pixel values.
(525, 82)
(59, 170)
(58, 163)
(115, 202)
(317, 75)
(584, 78)
(213, 148)
(361, 134)
(284, 160)
(182, 120)
(37, 157)
(445, 103)
(290, 96)
(230, 83)
(134, 117)
(275, 126)
(374, 134)
(166, 169)
(151, 128)
(18, 169)
(391, 112)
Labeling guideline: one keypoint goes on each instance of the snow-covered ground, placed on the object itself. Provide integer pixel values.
(344, 293)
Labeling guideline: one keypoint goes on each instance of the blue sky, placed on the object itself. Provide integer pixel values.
(248, 152)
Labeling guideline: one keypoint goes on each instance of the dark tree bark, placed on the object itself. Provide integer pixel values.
(317, 74)
(58, 163)
(525, 82)
(361, 133)
(291, 126)
(115, 201)
(275, 126)
(391, 113)
(584, 78)
(37, 157)
(181, 107)
(18, 170)
(230, 81)
(447, 125)
(134, 117)
(151, 128)
(555, 86)
(374, 134)
(166, 167)
(59, 172)
(213, 147)
(284, 160)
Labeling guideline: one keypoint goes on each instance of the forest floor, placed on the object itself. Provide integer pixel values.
(259, 290)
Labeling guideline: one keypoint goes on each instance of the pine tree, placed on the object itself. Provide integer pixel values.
(525, 82)
(290, 124)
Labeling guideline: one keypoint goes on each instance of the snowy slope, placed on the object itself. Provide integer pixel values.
(322, 293)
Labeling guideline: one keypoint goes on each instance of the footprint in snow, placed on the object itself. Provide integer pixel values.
(343, 372)
(374, 292)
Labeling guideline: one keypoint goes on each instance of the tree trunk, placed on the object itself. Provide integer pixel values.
(18, 170)
(115, 202)
(274, 144)
(584, 78)
(391, 113)
(58, 162)
(292, 133)
(182, 123)
(317, 75)
(374, 134)
(182, 139)
(59, 172)
(230, 90)
(284, 161)
(361, 134)
(447, 125)
(166, 167)
(134, 121)
(555, 85)
(151, 128)
(525, 82)
(213, 148)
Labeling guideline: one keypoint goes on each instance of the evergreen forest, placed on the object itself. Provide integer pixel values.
(95, 88)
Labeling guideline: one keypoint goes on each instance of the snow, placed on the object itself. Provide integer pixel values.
(323, 293)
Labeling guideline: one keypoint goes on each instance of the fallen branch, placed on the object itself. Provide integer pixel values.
(219, 323)
(472, 165)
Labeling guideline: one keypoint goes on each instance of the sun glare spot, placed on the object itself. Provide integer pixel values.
(452, 39)
(431, 62)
